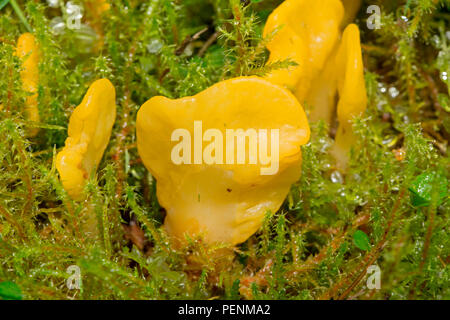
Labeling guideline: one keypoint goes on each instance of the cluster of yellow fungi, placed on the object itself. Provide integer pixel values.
(227, 201)
(328, 62)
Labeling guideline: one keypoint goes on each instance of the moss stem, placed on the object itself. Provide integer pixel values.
(20, 14)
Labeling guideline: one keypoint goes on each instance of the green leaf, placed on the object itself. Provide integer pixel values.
(361, 240)
(10, 291)
(421, 189)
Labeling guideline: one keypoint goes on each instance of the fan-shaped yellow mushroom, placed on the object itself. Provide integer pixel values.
(28, 52)
(89, 132)
(223, 157)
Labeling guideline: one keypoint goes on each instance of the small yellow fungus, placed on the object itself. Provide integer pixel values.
(343, 75)
(89, 132)
(208, 189)
(351, 90)
(28, 52)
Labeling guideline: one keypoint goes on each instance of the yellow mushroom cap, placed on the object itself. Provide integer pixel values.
(89, 132)
(306, 32)
(219, 200)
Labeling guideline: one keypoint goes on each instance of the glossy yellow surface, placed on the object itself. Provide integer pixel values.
(352, 92)
(342, 78)
(330, 64)
(222, 202)
(28, 52)
(306, 32)
(89, 132)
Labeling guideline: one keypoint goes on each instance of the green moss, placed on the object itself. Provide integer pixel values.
(304, 251)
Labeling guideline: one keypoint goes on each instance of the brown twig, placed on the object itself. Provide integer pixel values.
(188, 40)
(208, 43)
(13, 222)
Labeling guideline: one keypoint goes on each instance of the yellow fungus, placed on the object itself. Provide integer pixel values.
(305, 32)
(211, 193)
(352, 92)
(89, 132)
(328, 64)
(28, 52)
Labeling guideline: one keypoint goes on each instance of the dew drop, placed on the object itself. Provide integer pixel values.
(154, 46)
(393, 92)
(406, 119)
(436, 40)
(53, 3)
(73, 10)
(388, 140)
(336, 177)
(57, 25)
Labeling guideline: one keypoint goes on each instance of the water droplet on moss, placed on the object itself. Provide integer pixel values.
(336, 177)
(393, 92)
(154, 46)
(57, 25)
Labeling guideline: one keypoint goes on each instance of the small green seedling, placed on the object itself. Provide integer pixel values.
(421, 189)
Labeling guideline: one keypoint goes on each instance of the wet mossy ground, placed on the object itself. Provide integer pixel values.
(332, 226)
